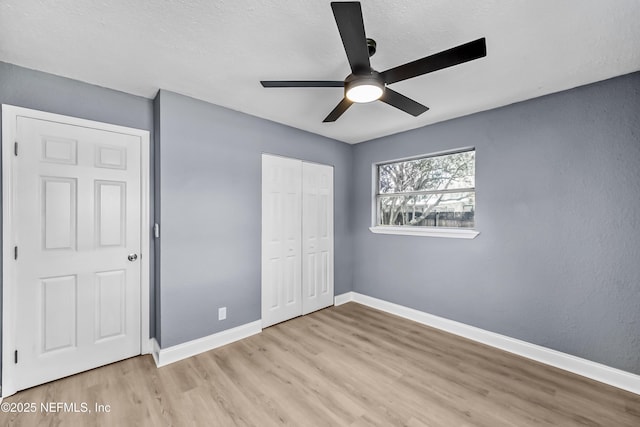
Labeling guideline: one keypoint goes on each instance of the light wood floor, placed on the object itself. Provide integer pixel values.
(343, 366)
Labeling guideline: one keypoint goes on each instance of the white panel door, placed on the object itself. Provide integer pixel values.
(281, 239)
(317, 237)
(77, 220)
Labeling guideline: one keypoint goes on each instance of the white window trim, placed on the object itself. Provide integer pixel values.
(454, 233)
(451, 233)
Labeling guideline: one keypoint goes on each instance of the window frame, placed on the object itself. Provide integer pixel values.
(407, 230)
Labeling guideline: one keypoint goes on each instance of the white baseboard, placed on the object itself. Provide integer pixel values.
(596, 371)
(165, 356)
(155, 351)
(343, 298)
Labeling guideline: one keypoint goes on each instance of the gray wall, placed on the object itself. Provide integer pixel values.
(40, 91)
(210, 191)
(557, 262)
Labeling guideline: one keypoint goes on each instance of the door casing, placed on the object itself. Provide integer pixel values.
(9, 132)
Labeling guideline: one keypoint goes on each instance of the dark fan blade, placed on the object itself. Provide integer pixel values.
(337, 112)
(301, 83)
(403, 103)
(351, 26)
(448, 58)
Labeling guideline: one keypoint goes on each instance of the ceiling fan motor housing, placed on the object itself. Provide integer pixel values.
(365, 87)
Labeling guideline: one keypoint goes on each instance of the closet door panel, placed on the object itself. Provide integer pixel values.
(317, 237)
(281, 239)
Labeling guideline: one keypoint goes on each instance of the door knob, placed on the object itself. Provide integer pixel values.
(132, 257)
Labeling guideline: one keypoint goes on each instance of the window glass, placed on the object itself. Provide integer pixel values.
(432, 191)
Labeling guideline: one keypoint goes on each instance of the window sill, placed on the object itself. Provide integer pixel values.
(452, 233)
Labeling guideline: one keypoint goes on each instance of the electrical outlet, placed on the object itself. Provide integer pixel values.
(222, 313)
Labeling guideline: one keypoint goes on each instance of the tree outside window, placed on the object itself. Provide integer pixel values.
(431, 191)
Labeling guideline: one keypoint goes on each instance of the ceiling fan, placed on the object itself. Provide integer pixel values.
(365, 84)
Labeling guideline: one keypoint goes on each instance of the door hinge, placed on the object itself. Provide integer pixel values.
(15, 252)
(15, 356)
(15, 149)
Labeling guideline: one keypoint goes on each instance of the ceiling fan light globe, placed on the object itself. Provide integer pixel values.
(366, 92)
(363, 88)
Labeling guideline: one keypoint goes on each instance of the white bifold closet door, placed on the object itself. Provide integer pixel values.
(297, 238)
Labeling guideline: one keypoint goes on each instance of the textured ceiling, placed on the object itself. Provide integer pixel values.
(218, 51)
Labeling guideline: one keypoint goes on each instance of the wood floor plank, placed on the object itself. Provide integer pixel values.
(343, 366)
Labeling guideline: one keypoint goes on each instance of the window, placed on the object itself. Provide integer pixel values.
(430, 192)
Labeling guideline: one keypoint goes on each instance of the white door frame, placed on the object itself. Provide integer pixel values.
(10, 114)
